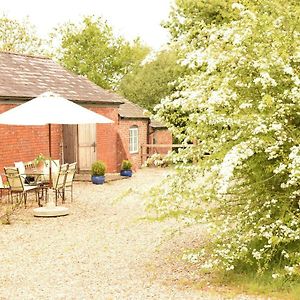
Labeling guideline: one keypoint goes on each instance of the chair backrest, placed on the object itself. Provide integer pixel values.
(71, 174)
(1, 183)
(29, 165)
(14, 179)
(60, 180)
(55, 165)
(54, 169)
(20, 165)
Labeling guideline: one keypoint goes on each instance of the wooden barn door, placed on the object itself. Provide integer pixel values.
(86, 146)
(70, 143)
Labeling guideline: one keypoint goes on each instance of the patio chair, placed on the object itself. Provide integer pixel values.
(3, 187)
(59, 182)
(18, 187)
(21, 167)
(28, 172)
(70, 178)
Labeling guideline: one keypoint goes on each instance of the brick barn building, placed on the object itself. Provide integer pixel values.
(23, 77)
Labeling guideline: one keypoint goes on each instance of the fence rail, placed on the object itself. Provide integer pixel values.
(149, 149)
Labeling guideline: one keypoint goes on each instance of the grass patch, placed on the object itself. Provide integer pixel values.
(263, 285)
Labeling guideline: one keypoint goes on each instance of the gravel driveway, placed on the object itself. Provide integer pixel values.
(102, 250)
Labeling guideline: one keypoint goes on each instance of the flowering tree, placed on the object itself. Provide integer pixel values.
(240, 107)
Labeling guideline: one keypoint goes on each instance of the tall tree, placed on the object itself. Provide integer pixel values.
(91, 49)
(240, 105)
(19, 37)
(147, 84)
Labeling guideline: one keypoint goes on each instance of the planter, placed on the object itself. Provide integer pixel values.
(98, 179)
(127, 173)
(40, 166)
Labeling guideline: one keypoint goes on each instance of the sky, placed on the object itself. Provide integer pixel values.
(129, 18)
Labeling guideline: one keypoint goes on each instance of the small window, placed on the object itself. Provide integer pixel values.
(134, 139)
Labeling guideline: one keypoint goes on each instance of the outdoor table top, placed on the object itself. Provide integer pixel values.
(34, 177)
(32, 172)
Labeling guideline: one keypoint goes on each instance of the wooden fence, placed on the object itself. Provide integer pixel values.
(149, 149)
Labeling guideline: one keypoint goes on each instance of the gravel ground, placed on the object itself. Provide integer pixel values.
(102, 250)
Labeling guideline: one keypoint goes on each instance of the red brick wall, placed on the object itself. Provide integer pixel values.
(123, 141)
(107, 138)
(160, 136)
(24, 143)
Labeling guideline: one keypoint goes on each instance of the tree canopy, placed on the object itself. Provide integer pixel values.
(150, 82)
(240, 106)
(90, 48)
(19, 37)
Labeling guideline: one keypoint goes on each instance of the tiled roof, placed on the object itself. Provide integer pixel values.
(156, 124)
(131, 111)
(25, 76)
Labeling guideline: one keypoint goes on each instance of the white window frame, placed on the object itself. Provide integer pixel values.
(133, 139)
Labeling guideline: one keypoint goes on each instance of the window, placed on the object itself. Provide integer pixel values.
(134, 139)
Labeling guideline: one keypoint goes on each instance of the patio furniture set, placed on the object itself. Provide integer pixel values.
(25, 178)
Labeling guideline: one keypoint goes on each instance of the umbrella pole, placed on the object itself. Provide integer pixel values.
(50, 157)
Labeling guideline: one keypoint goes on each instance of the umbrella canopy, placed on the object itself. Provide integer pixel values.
(50, 108)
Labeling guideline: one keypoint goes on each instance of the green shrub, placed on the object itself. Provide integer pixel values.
(126, 165)
(98, 168)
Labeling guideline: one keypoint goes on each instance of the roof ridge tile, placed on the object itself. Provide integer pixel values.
(26, 55)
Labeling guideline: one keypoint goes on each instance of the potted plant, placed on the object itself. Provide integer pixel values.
(126, 168)
(98, 171)
(39, 161)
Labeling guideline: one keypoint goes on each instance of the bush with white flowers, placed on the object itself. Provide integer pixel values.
(240, 106)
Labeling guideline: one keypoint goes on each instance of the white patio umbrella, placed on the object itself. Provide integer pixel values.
(50, 108)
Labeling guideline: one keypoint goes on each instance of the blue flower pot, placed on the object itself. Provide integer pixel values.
(127, 173)
(98, 179)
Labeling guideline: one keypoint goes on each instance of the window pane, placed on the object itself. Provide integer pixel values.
(133, 140)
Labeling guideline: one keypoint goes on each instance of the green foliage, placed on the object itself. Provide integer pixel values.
(98, 168)
(19, 37)
(147, 84)
(126, 165)
(243, 282)
(245, 285)
(41, 158)
(239, 104)
(187, 16)
(91, 49)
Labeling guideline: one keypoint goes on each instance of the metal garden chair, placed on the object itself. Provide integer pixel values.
(70, 178)
(3, 187)
(59, 182)
(18, 187)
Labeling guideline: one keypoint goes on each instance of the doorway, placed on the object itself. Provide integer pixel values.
(86, 146)
(70, 142)
(79, 144)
